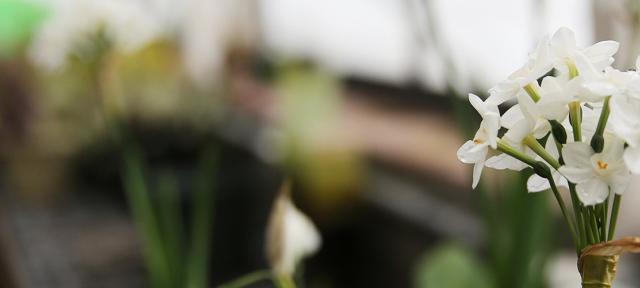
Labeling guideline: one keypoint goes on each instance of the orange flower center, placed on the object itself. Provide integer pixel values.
(602, 165)
(478, 141)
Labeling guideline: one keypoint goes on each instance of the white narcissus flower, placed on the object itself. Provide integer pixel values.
(595, 173)
(538, 65)
(475, 151)
(564, 49)
(291, 236)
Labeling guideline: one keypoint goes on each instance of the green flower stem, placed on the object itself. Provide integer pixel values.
(606, 217)
(533, 143)
(587, 227)
(532, 91)
(285, 281)
(575, 117)
(577, 210)
(144, 216)
(604, 116)
(614, 216)
(594, 225)
(248, 279)
(203, 202)
(170, 221)
(597, 141)
(563, 208)
(603, 222)
(504, 147)
(559, 148)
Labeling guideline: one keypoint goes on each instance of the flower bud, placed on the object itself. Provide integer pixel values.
(597, 143)
(559, 133)
(542, 169)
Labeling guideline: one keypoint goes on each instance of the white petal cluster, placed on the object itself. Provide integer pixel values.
(559, 81)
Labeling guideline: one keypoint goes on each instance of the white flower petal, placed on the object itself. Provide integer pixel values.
(536, 183)
(620, 182)
(477, 172)
(291, 236)
(632, 159)
(562, 41)
(613, 149)
(477, 103)
(575, 174)
(520, 130)
(511, 117)
(491, 123)
(502, 92)
(504, 161)
(553, 109)
(528, 107)
(577, 154)
(471, 153)
(592, 192)
(601, 53)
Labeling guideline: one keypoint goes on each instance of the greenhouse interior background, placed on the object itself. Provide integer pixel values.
(159, 143)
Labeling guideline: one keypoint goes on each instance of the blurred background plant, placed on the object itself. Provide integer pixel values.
(143, 142)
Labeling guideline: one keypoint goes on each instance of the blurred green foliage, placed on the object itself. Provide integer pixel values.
(451, 266)
(173, 260)
(18, 20)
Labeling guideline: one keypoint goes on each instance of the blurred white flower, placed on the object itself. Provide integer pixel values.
(291, 236)
(209, 29)
(73, 24)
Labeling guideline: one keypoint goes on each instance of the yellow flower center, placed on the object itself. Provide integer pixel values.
(602, 165)
(478, 141)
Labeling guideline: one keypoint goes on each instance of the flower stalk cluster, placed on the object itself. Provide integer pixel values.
(575, 122)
